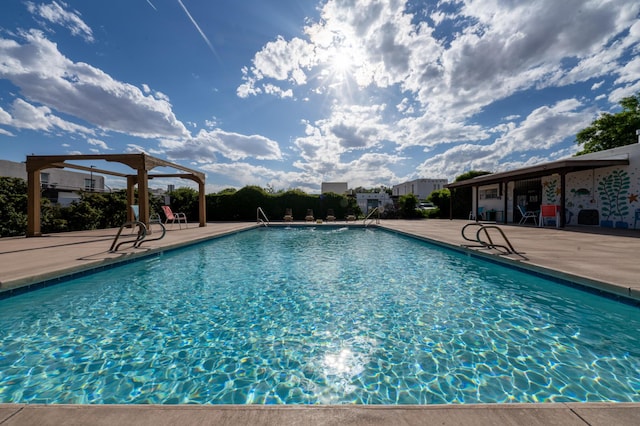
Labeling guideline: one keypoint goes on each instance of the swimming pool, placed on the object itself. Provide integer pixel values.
(324, 315)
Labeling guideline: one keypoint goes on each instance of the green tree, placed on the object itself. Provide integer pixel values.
(471, 174)
(440, 199)
(612, 130)
(184, 200)
(13, 206)
(408, 204)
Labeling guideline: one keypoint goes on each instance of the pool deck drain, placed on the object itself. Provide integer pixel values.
(600, 258)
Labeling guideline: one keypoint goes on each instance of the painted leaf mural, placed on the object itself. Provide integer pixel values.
(613, 190)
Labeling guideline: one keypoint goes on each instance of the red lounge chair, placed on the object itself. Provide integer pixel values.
(171, 216)
(549, 212)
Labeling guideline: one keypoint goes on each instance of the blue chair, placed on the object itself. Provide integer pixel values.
(479, 216)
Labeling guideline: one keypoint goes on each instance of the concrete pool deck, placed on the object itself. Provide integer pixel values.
(604, 259)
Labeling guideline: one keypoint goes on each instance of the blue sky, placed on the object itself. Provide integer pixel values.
(291, 93)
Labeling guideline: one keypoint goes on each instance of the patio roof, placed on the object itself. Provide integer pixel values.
(141, 163)
(561, 167)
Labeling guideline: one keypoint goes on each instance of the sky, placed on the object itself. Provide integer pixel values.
(287, 94)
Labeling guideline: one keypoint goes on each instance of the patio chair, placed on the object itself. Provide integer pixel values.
(350, 216)
(309, 217)
(173, 217)
(526, 215)
(330, 216)
(288, 215)
(549, 212)
(153, 217)
(478, 216)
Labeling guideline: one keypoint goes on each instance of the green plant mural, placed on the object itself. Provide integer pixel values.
(613, 190)
(550, 191)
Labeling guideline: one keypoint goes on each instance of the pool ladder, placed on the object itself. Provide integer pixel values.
(370, 217)
(259, 219)
(483, 239)
(140, 237)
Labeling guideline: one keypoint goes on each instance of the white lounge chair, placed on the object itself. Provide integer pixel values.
(527, 215)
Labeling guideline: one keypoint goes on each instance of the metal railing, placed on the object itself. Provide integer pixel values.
(483, 239)
(369, 217)
(142, 233)
(259, 219)
(141, 236)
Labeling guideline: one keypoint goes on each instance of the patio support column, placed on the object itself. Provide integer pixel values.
(475, 190)
(563, 183)
(202, 213)
(33, 203)
(506, 200)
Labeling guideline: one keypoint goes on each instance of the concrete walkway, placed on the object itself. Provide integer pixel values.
(603, 259)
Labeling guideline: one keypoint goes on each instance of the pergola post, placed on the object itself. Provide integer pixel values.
(202, 211)
(33, 203)
(143, 196)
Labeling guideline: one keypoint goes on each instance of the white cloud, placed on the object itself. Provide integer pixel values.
(24, 115)
(100, 144)
(544, 129)
(46, 77)
(502, 48)
(204, 146)
(58, 13)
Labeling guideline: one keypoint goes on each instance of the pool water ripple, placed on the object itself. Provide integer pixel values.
(316, 316)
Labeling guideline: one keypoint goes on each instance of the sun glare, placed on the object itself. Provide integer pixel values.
(342, 63)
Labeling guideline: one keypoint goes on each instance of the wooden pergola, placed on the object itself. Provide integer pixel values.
(141, 163)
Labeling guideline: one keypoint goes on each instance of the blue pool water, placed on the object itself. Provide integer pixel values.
(308, 316)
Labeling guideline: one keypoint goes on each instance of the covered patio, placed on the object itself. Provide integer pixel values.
(141, 163)
(560, 167)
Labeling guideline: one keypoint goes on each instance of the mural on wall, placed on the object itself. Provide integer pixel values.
(551, 191)
(613, 190)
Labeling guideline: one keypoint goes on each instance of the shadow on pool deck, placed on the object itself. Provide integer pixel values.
(605, 259)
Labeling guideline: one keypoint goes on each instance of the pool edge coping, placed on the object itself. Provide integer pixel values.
(609, 289)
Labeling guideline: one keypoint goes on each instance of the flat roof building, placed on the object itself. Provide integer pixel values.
(421, 188)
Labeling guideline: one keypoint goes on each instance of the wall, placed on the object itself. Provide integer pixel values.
(382, 199)
(63, 179)
(613, 192)
(421, 188)
(339, 188)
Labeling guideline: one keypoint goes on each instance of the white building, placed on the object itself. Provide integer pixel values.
(339, 188)
(64, 184)
(421, 188)
(368, 201)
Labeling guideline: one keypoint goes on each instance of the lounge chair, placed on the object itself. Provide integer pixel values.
(527, 215)
(153, 217)
(171, 216)
(549, 212)
(309, 217)
(288, 215)
(350, 216)
(330, 216)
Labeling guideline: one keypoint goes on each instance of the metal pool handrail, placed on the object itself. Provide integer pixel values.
(265, 222)
(142, 233)
(377, 218)
(488, 243)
